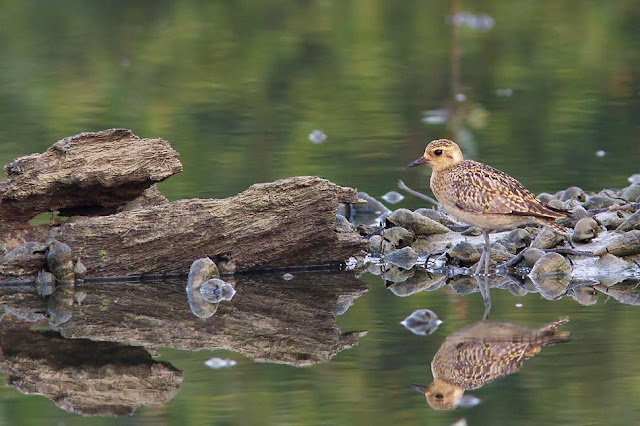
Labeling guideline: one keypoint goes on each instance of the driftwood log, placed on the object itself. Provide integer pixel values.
(90, 173)
(127, 228)
(269, 319)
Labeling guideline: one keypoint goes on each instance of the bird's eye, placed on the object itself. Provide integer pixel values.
(439, 395)
(438, 152)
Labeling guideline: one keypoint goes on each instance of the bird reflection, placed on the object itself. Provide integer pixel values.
(481, 353)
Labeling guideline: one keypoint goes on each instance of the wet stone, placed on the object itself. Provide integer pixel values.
(611, 219)
(422, 322)
(79, 270)
(630, 223)
(545, 197)
(464, 254)
(405, 257)
(598, 202)
(519, 238)
(546, 239)
(573, 193)
(437, 216)
(416, 223)
(399, 237)
(342, 224)
(585, 230)
(631, 193)
(532, 255)
(551, 275)
(557, 204)
(60, 261)
(45, 283)
(393, 197)
(472, 231)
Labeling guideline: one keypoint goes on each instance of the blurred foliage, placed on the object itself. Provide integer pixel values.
(237, 86)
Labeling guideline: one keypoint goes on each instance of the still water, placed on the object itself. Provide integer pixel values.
(546, 91)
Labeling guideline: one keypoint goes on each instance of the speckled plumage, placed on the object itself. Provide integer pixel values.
(483, 352)
(480, 195)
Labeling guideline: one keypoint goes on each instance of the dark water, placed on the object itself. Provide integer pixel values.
(237, 87)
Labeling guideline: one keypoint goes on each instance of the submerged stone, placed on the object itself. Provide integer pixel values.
(60, 261)
(422, 322)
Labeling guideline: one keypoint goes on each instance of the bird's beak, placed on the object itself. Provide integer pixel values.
(418, 388)
(419, 161)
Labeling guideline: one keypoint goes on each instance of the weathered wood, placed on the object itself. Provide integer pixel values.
(269, 318)
(89, 173)
(284, 223)
(82, 376)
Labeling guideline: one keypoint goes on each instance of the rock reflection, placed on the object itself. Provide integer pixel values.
(481, 353)
(81, 376)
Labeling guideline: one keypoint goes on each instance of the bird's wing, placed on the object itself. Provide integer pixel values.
(493, 191)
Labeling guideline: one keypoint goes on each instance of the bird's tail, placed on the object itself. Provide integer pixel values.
(550, 335)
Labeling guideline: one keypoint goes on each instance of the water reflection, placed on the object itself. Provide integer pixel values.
(105, 337)
(481, 353)
(82, 376)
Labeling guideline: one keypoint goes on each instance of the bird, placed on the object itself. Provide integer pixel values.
(481, 353)
(482, 196)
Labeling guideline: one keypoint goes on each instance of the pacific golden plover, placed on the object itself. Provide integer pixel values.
(482, 196)
(481, 353)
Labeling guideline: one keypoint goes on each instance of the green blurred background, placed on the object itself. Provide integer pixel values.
(237, 87)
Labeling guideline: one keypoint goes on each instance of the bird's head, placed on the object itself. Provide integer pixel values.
(440, 154)
(442, 395)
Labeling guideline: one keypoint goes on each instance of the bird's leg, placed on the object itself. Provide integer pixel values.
(487, 249)
(479, 264)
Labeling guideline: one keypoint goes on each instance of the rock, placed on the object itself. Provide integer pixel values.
(585, 230)
(227, 267)
(630, 223)
(418, 224)
(517, 290)
(380, 245)
(546, 239)
(404, 258)
(631, 193)
(370, 205)
(422, 322)
(545, 197)
(625, 292)
(573, 193)
(60, 261)
(437, 216)
(598, 202)
(464, 254)
(622, 245)
(519, 239)
(399, 237)
(611, 219)
(472, 231)
(79, 270)
(557, 204)
(45, 283)
(551, 264)
(551, 275)
(201, 271)
(532, 255)
(343, 225)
